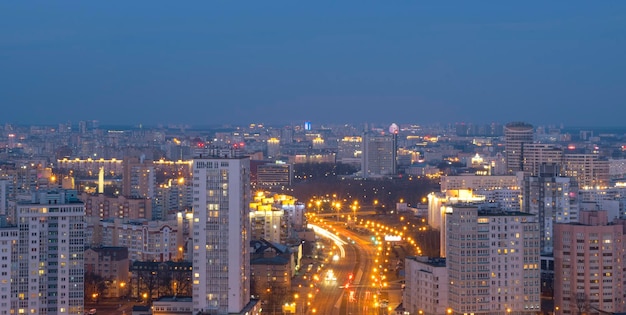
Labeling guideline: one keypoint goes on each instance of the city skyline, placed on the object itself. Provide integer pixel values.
(218, 63)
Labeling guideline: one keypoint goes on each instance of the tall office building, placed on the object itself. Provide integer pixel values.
(221, 234)
(379, 155)
(589, 260)
(492, 261)
(50, 254)
(274, 174)
(349, 149)
(516, 134)
(273, 147)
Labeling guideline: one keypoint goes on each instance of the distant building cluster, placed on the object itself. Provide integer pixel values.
(204, 220)
(549, 224)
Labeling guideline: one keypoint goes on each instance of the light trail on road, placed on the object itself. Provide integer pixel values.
(336, 239)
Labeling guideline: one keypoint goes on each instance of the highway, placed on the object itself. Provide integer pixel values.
(354, 292)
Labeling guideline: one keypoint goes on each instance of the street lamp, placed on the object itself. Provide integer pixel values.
(298, 309)
(122, 286)
(355, 206)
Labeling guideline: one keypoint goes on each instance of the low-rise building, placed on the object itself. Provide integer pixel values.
(172, 305)
(145, 240)
(271, 268)
(426, 290)
(110, 263)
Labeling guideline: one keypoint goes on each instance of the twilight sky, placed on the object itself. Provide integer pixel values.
(274, 62)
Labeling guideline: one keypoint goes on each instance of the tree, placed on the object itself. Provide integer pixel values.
(181, 282)
(148, 283)
(95, 286)
(164, 282)
(582, 303)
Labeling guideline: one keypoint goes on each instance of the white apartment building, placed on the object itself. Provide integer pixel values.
(50, 254)
(507, 199)
(221, 234)
(612, 199)
(8, 255)
(492, 261)
(426, 290)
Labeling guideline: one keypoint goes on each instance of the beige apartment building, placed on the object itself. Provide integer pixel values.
(589, 260)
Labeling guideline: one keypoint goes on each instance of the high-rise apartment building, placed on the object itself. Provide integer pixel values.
(537, 155)
(8, 255)
(516, 134)
(553, 200)
(50, 254)
(492, 261)
(221, 234)
(139, 178)
(589, 260)
(587, 169)
(5, 188)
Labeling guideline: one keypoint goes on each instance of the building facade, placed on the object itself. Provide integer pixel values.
(221, 240)
(587, 169)
(589, 260)
(50, 257)
(8, 255)
(516, 134)
(106, 207)
(553, 200)
(426, 290)
(379, 155)
(145, 240)
(537, 155)
(110, 263)
(492, 259)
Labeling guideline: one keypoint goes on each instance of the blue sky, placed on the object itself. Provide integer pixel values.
(214, 62)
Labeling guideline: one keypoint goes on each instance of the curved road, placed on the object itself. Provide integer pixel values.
(344, 296)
